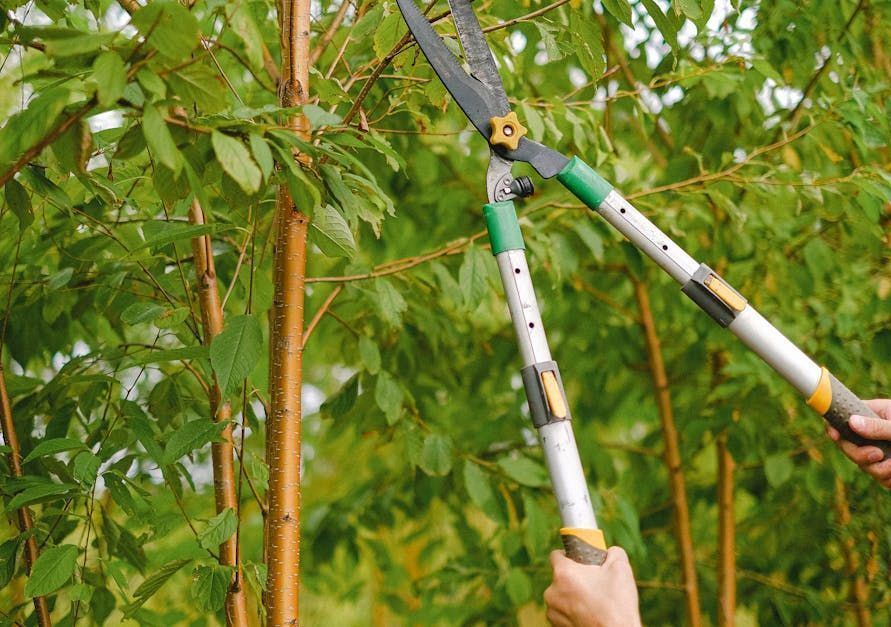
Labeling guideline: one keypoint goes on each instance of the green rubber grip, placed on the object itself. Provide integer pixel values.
(504, 229)
(584, 546)
(588, 186)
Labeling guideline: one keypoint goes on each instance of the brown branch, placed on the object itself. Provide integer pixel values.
(859, 592)
(221, 412)
(713, 176)
(282, 542)
(48, 139)
(795, 114)
(321, 312)
(672, 455)
(23, 514)
(726, 536)
(326, 38)
(527, 17)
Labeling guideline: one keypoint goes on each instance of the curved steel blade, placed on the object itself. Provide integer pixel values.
(475, 99)
(477, 52)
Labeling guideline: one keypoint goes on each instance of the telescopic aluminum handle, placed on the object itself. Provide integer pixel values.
(824, 393)
(582, 540)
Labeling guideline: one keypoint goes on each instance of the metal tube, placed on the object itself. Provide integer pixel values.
(557, 439)
(776, 349)
(647, 236)
(749, 326)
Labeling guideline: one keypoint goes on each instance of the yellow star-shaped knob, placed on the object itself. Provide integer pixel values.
(506, 131)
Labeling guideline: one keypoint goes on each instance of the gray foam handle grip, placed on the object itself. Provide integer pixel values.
(845, 404)
(581, 551)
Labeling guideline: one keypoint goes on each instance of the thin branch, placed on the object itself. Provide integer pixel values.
(326, 38)
(321, 312)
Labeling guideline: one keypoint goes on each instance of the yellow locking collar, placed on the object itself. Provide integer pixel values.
(507, 131)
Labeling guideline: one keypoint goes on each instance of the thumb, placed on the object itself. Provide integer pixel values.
(872, 428)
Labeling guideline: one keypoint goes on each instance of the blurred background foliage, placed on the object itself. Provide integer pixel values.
(755, 134)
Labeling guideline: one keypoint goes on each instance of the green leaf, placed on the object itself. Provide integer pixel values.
(588, 45)
(389, 302)
(621, 10)
(478, 484)
(340, 403)
(151, 584)
(60, 279)
(173, 354)
(387, 34)
(8, 552)
(243, 24)
(198, 85)
(209, 586)
(85, 467)
(218, 529)
(51, 447)
(52, 570)
(110, 75)
(19, 201)
(334, 236)
(39, 494)
(666, 25)
(518, 586)
(690, 8)
(159, 233)
(591, 238)
(778, 469)
(159, 139)
(388, 396)
(437, 454)
(524, 471)
(262, 154)
(140, 312)
(370, 355)
(192, 435)
(170, 28)
(78, 44)
(538, 532)
(235, 351)
(472, 276)
(237, 162)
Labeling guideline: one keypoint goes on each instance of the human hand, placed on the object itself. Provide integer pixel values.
(869, 458)
(593, 596)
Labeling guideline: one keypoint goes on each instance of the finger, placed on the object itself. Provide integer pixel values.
(881, 406)
(615, 555)
(558, 619)
(880, 471)
(557, 558)
(872, 428)
(833, 433)
(861, 455)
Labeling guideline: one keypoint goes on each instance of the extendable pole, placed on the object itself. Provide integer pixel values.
(583, 541)
(824, 393)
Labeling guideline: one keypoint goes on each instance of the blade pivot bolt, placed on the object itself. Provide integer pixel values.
(522, 186)
(506, 131)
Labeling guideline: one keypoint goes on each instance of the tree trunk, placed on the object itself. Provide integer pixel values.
(859, 593)
(286, 345)
(726, 536)
(672, 456)
(23, 515)
(221, 411)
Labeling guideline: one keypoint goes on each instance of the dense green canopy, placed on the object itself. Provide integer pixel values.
(755, 134)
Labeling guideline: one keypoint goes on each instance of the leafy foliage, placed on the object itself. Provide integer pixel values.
(755, 134)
